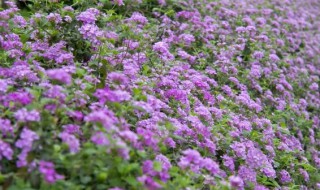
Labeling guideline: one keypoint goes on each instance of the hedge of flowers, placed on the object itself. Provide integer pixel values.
(160, 94)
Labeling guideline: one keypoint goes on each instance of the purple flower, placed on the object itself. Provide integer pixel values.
(100, 138)
(56, 53)
(228, 162)
(314, 86)
(54, 17)
(25, 143)
(239, 149)
(48, 171)
(226, 89)
(92, 33)
(203, 112)
(162, 49)
(210, 165)
(281, 105)
(26, 139)
(5, 151)
(111, 35)
(147, 168)
(3, 85)
(138, 18)
(18, 97)
(106, 94)
(305, 174)
(129, 135)
(170, 142)
(132, 45)
(149, 137)
(240, 29)
(71, 129)
(166, 165)
(211, 146)
(149, 183)
(103, 117)
(236, 182)
(255, 71)
(256, 159)
(187, 39)
(122, 149)
(71, 141)
(67, 19)
(247, 174)
(19, 21)
(55, 92)
(6, 127)
(88, 16)
(260, 187)
(269, 171)
(23, 115)
(245, 125)
(118, 2)
(186, 56)
(192, 159)
(77, 115)
(177, 94)
(162, 2)
(274, 58)
(216, 112)
(60, 75)
(285, 176)
(119, 78)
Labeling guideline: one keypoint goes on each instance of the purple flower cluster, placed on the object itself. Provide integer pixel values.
(25, 144)
(6, 151)
(112, 95)
(71, 141)
(162, 48)
(59, 75)
(23, 115)
(164, 164)
(48, 171)
(195, 162)
(5, 127)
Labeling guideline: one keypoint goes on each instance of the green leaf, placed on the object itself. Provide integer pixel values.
(85, 179)
(102, 176)
(142, 154)
(282, 124)
(157, 166)
(132, 181)
(145, 70)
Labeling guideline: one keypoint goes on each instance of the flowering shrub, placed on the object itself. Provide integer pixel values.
(160, 94)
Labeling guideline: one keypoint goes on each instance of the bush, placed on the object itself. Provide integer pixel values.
(146, 94)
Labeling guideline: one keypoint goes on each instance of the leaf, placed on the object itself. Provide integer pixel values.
(142, 154)
(276, 164)
(90, 151)
(275, 183)
(157, 166)
(145, 70)
(282, 124)
(85, 179)
(111, 11)
(122, 169)
(307, 167)
(170, 13)
(132, 181)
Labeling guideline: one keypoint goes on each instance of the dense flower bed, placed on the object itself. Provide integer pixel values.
(160, 94)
